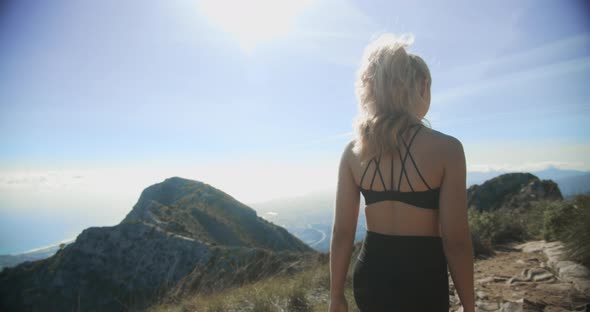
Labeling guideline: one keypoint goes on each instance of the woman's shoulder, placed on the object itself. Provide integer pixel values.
(437, 142)
(350, 149)
(448, 147)
(442, 139)
(350, 152)
(443, 142)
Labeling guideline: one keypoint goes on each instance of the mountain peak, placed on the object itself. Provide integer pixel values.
(180, 233)
(511, 190)
(199, 211)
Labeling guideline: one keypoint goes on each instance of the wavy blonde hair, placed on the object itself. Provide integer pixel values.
(388, 92)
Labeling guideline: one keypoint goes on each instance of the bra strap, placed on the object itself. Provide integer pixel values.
(377, 170)
(391, 173)
(404, 171)
(414, 162)
(365, 172)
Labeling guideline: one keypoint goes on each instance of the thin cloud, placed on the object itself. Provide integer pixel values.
(502, 71)
(571, 66)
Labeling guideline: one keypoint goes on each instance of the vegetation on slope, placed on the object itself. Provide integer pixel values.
(305, 290)
(568, 221)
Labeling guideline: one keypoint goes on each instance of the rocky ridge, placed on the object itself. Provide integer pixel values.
(511, 191)
(181, 236)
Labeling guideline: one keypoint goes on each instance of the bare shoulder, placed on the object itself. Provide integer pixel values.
(348, 153)
(446, 145)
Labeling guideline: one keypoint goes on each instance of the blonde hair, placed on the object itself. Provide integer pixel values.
(388, 91)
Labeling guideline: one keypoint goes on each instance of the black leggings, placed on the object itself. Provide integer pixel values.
(401, 273)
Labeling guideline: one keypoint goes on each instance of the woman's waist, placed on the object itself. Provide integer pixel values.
(399, 247)
(402, 221)
(405, 232)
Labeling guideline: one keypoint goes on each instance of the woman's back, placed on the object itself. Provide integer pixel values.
(418, 179)
(413, 182)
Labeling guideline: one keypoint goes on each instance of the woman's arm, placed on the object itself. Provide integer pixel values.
(454, 224)
(344, 228)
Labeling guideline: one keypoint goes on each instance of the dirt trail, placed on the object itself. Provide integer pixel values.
(517, 280)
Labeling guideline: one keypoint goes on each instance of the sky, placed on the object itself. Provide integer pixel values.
(100, 99)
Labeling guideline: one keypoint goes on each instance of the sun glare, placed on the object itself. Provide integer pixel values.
(253, 21)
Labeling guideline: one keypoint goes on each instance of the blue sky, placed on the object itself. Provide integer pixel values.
(100, 99)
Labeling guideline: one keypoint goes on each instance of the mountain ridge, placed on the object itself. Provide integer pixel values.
(162, 245)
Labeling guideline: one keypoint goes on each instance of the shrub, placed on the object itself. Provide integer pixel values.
(262, 304)
(576, 234)
(298, 301)
(533, 219)
(481, 225)
(489, 228)
(216, 306)
(512, 227)
(558, 217)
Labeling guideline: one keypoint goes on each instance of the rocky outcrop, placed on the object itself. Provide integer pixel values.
(510, 191)
(197, 210)
(522, 278)
(567, 270)
(181, 236)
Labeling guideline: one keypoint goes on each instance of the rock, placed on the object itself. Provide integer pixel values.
(532, 275)
(575, 270)
(563, 266)
(511, 307)
(487, 306)
(491, 279)
(485, 280)
(555, 287)
(481, 295)
(510, 191)
(522, 305)
(531, 306)
(534, 246)
(548, 276)
(583, 285)
(567, 270)
(549, 245)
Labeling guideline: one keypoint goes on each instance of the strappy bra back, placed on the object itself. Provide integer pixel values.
(424, 199)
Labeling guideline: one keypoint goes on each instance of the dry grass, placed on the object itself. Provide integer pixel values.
(304, 291)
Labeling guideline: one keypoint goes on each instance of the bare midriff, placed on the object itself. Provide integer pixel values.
(397, 218)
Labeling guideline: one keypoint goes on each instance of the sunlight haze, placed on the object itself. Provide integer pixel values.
(101, 99)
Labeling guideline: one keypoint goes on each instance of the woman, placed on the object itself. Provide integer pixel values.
(413, 181)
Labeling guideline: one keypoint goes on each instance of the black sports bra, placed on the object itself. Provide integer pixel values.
(424, 199)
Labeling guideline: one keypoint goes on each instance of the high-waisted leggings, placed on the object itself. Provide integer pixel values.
(401, 273)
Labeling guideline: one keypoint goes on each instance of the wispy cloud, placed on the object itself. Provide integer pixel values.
(452, 94)
(334, 31)
(553, 59)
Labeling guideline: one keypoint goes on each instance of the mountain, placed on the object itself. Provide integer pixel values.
(511, 190)
(554, 173)
(571, 182)
(574, 185)
(181, 236)
(311, 215)
(202, 212)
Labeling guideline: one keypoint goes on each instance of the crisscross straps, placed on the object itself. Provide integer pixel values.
(403, 160)
(403, 169)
